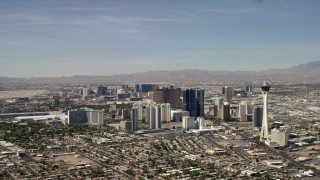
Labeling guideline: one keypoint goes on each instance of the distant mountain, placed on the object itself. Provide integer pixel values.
(304, 72)
(308, 71)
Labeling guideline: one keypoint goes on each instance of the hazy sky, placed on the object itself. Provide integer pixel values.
(76, 37)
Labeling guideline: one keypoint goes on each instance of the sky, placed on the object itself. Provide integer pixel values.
(104, 37)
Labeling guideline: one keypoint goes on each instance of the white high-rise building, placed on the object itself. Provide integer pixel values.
(264, 136)
(150, 116)
(165, 112)
(157, 117)
(153, 116)
(136, 116)
(188, 122)
(95, 117)
(280, 136)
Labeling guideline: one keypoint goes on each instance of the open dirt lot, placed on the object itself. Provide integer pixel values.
(21, 93)
(71, 159)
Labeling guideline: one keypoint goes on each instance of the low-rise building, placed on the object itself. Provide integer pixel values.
(280, 136)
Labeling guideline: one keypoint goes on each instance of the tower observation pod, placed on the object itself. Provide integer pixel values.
(264, 136)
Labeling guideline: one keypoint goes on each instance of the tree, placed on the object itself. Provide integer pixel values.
(129, 171)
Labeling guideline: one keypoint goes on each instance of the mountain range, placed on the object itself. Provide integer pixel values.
(308, 72)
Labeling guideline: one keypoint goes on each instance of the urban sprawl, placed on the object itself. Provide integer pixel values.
(242, 130)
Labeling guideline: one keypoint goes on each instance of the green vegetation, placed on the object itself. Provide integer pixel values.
(156, 146)
(105, 107)
(28, 135)
(94, 107)
(129, 171)
(96, 173)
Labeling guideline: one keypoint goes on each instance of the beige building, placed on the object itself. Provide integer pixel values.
(244, 110)
(125, 125)
(166, 95)
(225, 112)
(228, 93)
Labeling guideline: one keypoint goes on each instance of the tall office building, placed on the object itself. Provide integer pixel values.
(146, 87)
(257, 117)
(102, 91)
(166, 95)
(228, 93)
(223, 90)
(264, 136)
(56, 102)
(244, 110)
(136, 116)
(225, 111)
(165, 112)
(249, 89)
(143, 88)
(193, 101)
(135, 119)
(217, 106)
(137, 88)
(125, 88)
(85, 92)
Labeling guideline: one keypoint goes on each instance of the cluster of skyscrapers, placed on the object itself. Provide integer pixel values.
(163, 99)
(188, 106)
(85, 92)
(149, 116)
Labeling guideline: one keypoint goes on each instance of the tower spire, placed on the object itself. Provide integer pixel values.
(264, 136)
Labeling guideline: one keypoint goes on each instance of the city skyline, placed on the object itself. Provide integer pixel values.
(57, 38)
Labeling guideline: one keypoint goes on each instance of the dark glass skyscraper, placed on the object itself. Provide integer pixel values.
(102, 91)
(125, 87)
(193, 101)
(137, 88)
(143, 88)
(249, 89)
(257, 116)
(146, 87)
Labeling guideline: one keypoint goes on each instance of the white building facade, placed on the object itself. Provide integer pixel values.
(165, 112)
(188, 122)
(280, 136)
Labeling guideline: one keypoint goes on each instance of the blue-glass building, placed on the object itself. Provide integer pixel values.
(143, 88)
(102, 91)
(193, 102)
